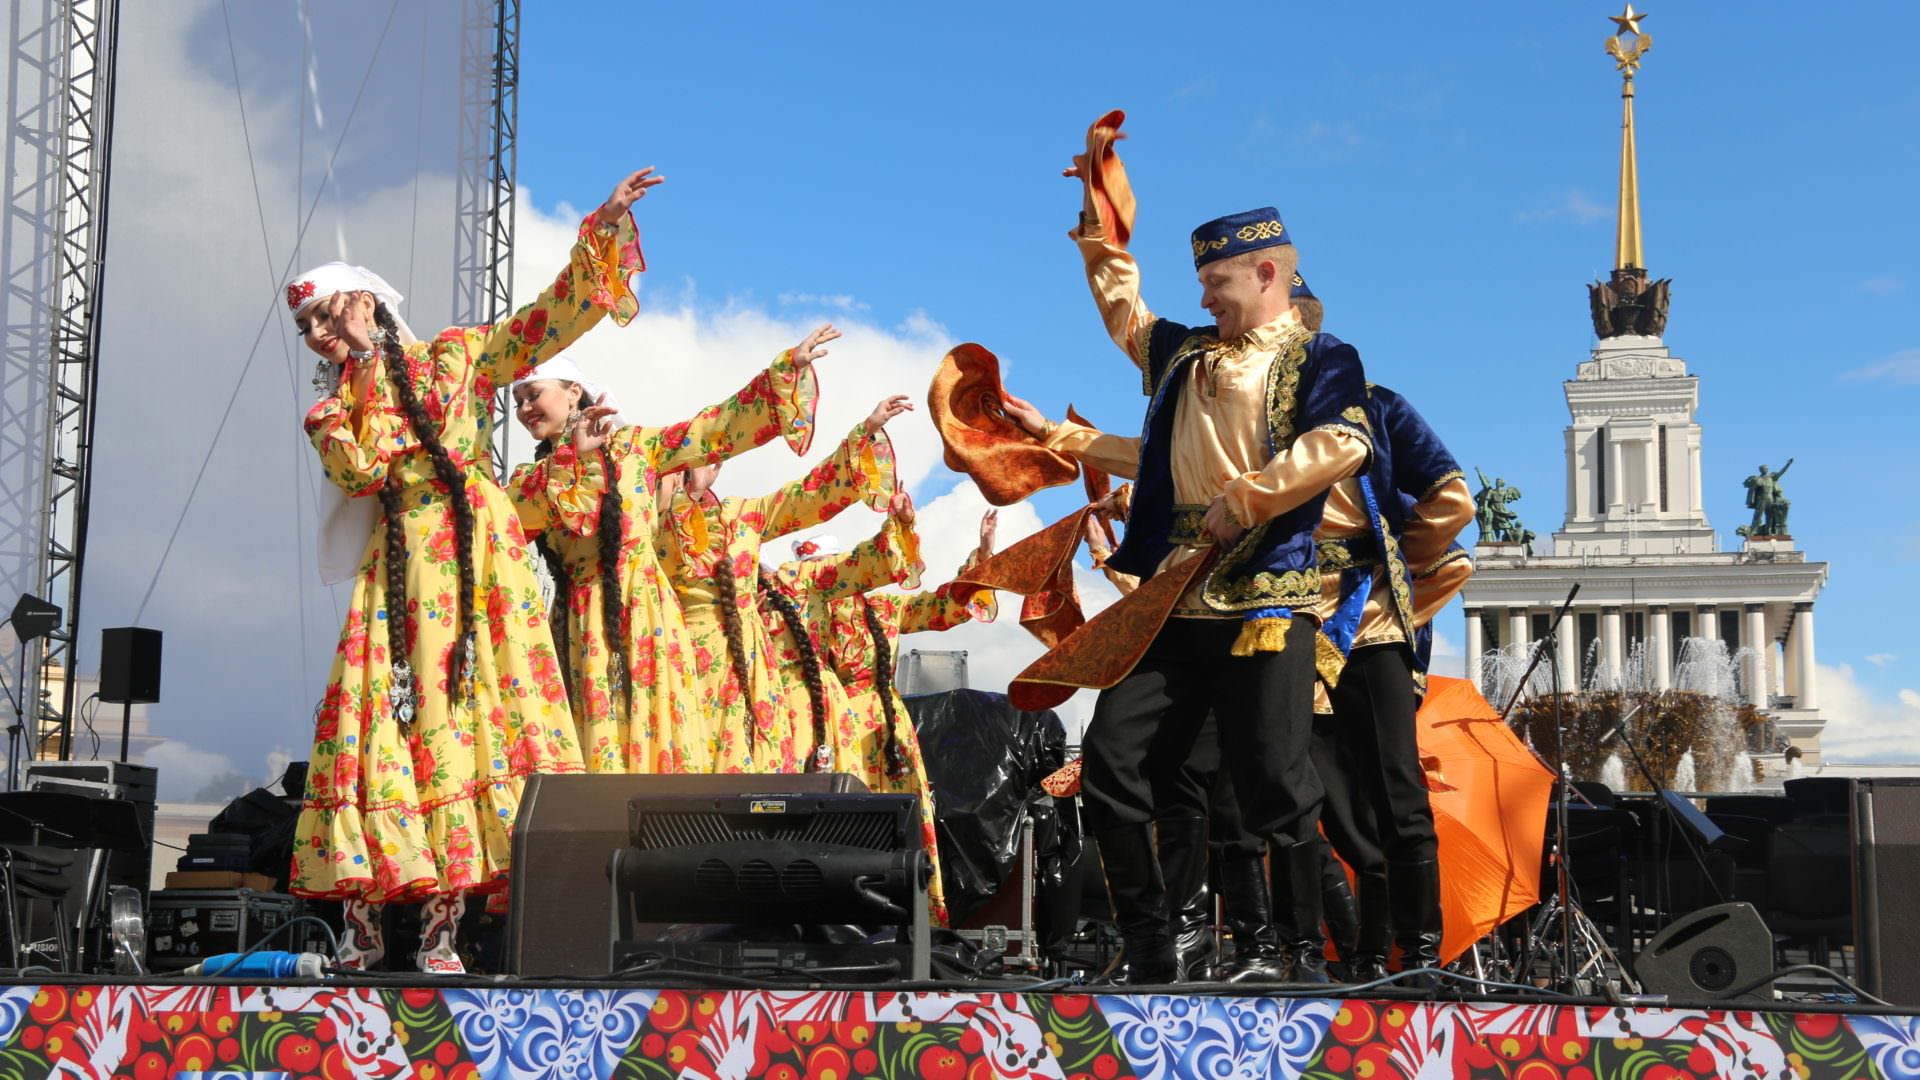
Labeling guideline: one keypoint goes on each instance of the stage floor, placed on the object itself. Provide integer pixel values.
(150, 1031)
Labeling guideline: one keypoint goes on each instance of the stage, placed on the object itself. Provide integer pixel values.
(473, 1028)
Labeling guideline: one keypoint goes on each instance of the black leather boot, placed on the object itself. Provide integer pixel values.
(1297, 913)
(1374, 939)
(1417, 923)
(1183, 864)
(1139, 897)
(1249, 914)
(1336, 900)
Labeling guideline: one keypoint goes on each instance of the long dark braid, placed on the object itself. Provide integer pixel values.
(401, 696)
(725, 585)
(560, 612)
(613, 613)
(822, 758)
(613, 522)
(896, 759)
(451, 476)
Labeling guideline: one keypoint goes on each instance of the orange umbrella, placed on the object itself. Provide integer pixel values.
(1489, 796)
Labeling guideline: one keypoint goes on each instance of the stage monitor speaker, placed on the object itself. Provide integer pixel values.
(568, 827)
(129, 665)
(1886, 915)
(1706, 953)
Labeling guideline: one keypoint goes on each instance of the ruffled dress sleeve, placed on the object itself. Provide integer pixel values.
(563, 489)
(778, 403)
(861, 469)
(593, 285)
(355, 444)
(948, 606)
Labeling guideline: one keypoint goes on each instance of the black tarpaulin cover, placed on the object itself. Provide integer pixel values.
(985, 760)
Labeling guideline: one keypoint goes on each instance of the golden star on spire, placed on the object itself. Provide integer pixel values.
(1627, 21)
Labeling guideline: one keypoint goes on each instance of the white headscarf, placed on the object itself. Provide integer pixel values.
(345, 524)
(564, 369)
(817, 546)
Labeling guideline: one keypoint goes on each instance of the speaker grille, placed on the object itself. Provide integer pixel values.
(802, 879)
(757, 876)
(714, 878)
(867, 830)
(1713, 969)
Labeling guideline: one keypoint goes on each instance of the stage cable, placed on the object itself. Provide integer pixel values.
(266, 251)
(273, 302)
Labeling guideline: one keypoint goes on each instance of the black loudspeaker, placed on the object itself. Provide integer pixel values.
(129, 665)
(1886, 906)
(567, 829)
(1706, 953)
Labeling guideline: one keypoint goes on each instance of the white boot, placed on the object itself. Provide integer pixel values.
(439, 921)
(364, 944)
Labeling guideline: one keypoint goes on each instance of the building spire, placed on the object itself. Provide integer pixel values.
(1628, 304)
(1627, 46)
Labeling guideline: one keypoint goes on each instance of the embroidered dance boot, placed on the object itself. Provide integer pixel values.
(1373, 939)
(1343, 927)
(364, 944)
(1256, 946)
(1183, 865)
(1139, 896)
(439, 922)
(1417, 924)
(1296, 908)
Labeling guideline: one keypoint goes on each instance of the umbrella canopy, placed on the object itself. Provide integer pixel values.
(1489, 796)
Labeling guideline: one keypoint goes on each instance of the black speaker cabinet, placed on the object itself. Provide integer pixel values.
(567, 829)
(1705, 953)
(129, 665)
(1886, 915)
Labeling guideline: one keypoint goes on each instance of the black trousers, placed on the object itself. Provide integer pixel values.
(1263, 705)
(1199, 787)
(1368, 758)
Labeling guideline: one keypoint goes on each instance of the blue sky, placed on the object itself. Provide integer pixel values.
(1448, 176)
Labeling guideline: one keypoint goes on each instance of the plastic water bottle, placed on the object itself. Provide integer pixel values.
(262, 965)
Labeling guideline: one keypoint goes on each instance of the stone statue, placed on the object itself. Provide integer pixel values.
(1498, 523)
(1768, 503)
(1629, 304)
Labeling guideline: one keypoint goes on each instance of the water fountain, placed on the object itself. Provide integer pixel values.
(1696, 736)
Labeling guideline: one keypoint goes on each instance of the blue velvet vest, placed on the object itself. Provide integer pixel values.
(1313, 383)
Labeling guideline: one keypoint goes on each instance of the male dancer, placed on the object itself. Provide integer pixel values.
(1249, 422)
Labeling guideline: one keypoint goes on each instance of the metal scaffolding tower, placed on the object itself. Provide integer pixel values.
(484, 185)
(60, 90)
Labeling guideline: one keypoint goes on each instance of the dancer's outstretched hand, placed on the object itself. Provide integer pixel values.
(901, 507)
(988, 522)
(888, 408)
(625, 193)
(1022, 412)
(809, 348)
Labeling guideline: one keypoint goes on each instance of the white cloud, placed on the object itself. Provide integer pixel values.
(1861, 728)
(1882, 659)
(1572, 206)
(186, 770)
(1447, 659)
(1902, 367)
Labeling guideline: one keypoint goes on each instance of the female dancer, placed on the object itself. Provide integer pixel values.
(615, 617)
(428, 728)
(711, 554)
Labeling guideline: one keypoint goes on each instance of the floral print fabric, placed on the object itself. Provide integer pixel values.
(395, 813)
(648, 719)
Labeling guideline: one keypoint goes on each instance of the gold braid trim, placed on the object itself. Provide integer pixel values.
(1328, 660)
(1439, 482)
(1452, 555)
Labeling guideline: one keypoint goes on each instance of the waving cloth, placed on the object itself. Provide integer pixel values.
(980, 439)
(1106, 178)
(1039, 568)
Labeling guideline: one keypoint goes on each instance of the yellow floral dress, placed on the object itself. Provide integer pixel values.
(754, 727)
(851, 650)
(399, 812)
(651, 721)
(858, 742)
